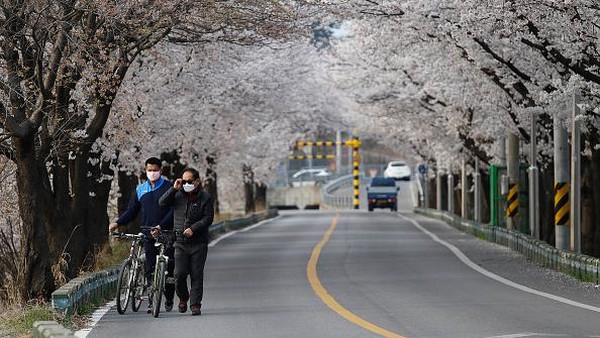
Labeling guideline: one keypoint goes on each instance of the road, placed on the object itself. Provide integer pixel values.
(360, 274)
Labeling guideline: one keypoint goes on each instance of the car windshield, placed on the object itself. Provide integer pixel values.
(383, 182)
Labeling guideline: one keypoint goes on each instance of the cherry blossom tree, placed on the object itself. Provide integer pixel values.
(63, 64)
(239, 106)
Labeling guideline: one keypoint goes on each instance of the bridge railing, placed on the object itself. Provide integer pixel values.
(582, 267)
(330, 200)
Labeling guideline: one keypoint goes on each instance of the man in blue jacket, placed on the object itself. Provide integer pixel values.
(154, 218)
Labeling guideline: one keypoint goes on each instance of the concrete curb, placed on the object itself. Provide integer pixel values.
(582, 267)
(47, 329)
(85, 289)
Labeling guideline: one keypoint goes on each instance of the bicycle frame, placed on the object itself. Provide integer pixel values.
(160, 270)
(133, 266)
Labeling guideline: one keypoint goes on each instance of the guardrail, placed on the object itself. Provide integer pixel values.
(582, 267)
(102, 284)
(331, 201)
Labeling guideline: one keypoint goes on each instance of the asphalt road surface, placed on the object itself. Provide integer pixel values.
(361, 274)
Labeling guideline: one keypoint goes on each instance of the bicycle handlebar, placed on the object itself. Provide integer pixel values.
(126, 235)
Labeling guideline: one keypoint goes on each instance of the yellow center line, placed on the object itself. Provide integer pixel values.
(321, 292)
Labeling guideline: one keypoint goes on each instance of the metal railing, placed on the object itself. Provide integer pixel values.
(582, 267)
(331, 201)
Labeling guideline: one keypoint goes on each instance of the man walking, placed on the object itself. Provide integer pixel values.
(193, 214)
(154, 218)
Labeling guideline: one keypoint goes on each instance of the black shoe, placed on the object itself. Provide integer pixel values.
(182, 306)
(149, 310)
(168, 306)
(195, 310)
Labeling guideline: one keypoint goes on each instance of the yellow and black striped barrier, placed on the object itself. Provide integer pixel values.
(512, 200)
(301, 144)
(349, 143)
(312, 157)
(354, 143)
(561, 203)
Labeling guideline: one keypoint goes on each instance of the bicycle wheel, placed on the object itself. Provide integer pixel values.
(139, 288)
(159, 276)
(124, 286)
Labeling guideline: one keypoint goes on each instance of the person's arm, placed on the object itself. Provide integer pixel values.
(167, 222)
(168, 199)
(132, 210)
(206, 220)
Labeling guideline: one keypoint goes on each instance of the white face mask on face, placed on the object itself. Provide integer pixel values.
(153, 175)
(188, 187)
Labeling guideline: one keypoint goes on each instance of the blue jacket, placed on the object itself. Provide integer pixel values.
(146, 200)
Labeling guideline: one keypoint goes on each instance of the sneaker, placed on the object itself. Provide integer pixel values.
(195, 310)
(168, 306)
(182, 306)
(149, 310)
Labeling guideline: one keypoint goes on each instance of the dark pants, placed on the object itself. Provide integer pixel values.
(189, 260)
(151, 253)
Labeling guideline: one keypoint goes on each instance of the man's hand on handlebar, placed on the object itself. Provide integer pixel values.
(112, 227)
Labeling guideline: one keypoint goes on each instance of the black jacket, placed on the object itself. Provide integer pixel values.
(190, 210)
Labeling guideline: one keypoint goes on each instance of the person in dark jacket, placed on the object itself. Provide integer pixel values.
(193, 213)
(154, 218)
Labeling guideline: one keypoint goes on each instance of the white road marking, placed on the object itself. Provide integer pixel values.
(491, 275)
(412, 194)
(96, 316)
(529, 334)
(220, 238)
(100, 312)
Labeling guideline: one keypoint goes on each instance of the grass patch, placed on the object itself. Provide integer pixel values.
(18, 321)
(112, 254)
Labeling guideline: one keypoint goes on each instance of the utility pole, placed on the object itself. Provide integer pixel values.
(338, 153)
(438, 189)
(463, 190)
(450, 192)
(512, 199)
(534, 185)
(575, 180)
(477, 193)
(561, 184)
(502, 151)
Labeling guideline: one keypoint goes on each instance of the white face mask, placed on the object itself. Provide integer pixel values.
(153, 175)
(188, 187)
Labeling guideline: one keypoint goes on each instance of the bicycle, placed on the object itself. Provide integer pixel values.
(159, 278)
(131, 283)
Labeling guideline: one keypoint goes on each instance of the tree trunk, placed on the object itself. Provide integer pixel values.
(89, 218)
(587, 207)
(127, 184)
(595, 189)
(546, 198)
(210, 184)
(261, 196)
(485, 198)
(248, 174)
(36, 215)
